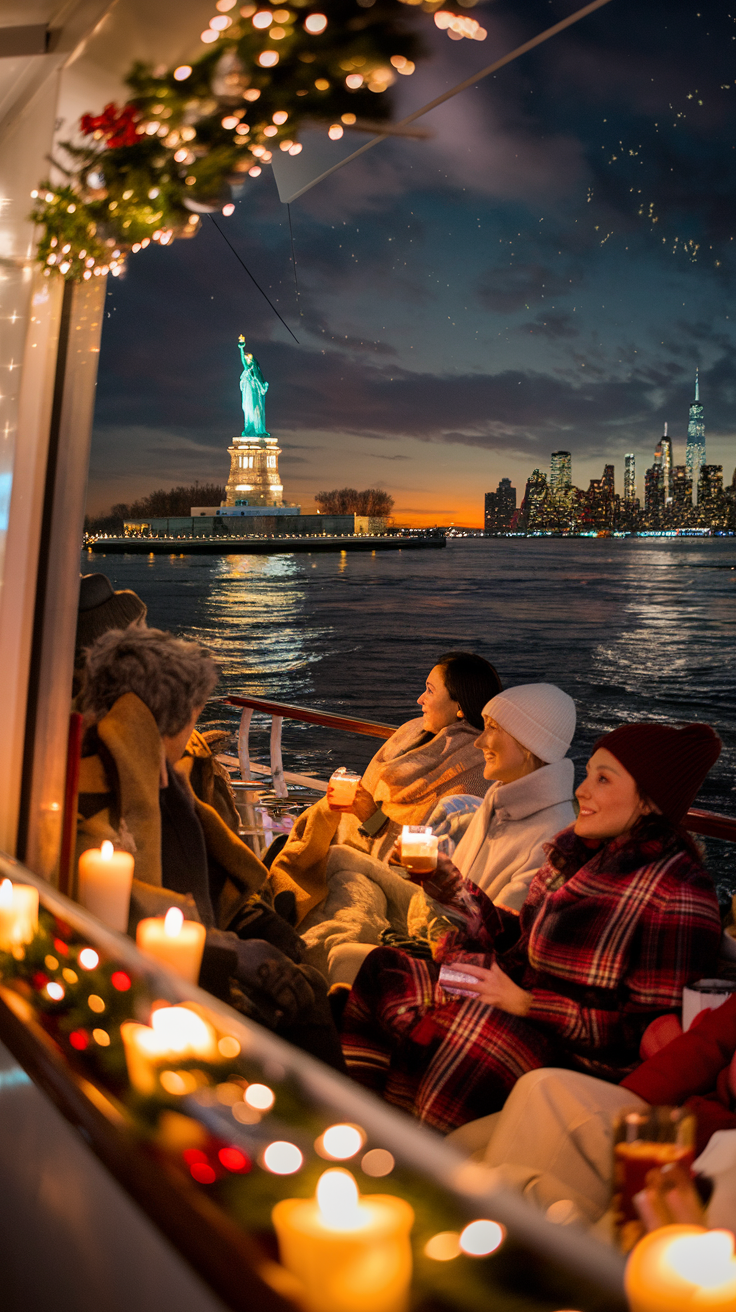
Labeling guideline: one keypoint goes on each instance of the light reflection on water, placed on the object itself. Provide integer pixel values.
(632, 629)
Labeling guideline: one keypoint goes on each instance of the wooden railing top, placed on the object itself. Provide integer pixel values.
(709, 823)
(371, 728)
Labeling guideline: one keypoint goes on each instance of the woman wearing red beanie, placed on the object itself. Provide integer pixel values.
(620, 917)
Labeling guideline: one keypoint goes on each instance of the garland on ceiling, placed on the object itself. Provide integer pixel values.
(188, 137)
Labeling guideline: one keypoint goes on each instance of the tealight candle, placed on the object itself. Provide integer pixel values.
(682, 1268)
(351, 1254)
(175, 1034)
(418, 849)
(105, 881)
(341, 789)
(18, 914)
(174, 941)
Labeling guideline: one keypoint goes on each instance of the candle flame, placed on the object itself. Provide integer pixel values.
(178, 1029)
(106, 851)
(706, 1260)
(173, 921)
(338, 1200)
(6, 893)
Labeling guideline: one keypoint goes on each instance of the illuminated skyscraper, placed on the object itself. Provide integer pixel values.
(695, 453)
(629, 478)
(561, 475)
(663, 458)
(499, 507)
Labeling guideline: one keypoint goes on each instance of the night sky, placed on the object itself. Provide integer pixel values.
(546, 272)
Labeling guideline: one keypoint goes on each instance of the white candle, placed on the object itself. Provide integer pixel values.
(174, 941)
(418, 849)
(351, 1254)
(105, 881)
(18, 914)
(682, 1268)
(175, 1034)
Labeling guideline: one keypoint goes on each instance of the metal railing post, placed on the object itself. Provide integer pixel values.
(277, 764)
(243, 735)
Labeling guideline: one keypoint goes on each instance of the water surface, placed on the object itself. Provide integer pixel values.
(632, 629)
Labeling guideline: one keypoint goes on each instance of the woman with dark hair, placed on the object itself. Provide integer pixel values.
(466, 679)
(426, 759)
(619, 919)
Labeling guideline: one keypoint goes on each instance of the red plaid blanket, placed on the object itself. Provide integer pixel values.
(606, 941)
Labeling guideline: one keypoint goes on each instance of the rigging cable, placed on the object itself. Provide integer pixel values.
(250, 275)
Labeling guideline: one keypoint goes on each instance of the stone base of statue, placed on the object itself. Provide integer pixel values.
(254, 471)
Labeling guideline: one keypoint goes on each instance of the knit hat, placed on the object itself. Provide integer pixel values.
(540, 716)
(668, 764)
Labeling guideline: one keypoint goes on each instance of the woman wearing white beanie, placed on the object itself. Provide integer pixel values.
(526, 734)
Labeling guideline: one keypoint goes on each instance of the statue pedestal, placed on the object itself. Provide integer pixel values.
(254, 471)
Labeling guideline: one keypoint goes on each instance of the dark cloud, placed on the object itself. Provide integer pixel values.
(553, 325)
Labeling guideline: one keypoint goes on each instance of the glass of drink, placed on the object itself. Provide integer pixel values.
(342, 788)
(418, 849)
(643, 1140)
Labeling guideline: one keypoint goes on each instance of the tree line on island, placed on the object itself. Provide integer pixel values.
(178, 501)
(348, 501)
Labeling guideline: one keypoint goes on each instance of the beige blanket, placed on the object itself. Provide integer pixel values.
(408, 775)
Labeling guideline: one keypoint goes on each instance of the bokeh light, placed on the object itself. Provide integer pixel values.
(341, 1142)
(481, 1238)
(282, 1158)
(260, 1097)
(378, 1162)
(443, 1247)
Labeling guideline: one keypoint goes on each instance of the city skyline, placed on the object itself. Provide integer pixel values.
(690, 495)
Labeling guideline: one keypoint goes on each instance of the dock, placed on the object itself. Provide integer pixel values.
(247, 546)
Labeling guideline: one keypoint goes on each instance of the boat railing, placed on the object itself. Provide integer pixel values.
(280, 711)
(709, 824)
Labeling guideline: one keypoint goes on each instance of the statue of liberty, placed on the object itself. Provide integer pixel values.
(253, 388)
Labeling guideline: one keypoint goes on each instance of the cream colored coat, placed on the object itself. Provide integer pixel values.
(502, 848)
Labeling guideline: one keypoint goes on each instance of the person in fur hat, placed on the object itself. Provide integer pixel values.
(620, 917)
(143, 693)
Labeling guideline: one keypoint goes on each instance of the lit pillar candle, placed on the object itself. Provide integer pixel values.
(175, 1034)
(682, 1268)
(105, 881)
(174, 941)
(18, 914)
(351, 1254)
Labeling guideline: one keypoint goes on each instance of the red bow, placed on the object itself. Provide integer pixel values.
(118, 126)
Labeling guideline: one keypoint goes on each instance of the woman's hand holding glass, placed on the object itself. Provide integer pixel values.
(497, 989)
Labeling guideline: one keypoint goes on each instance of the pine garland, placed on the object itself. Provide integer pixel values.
(188, 136)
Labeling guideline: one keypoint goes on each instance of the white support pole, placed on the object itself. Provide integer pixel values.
(277, 765)
(243, 749)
